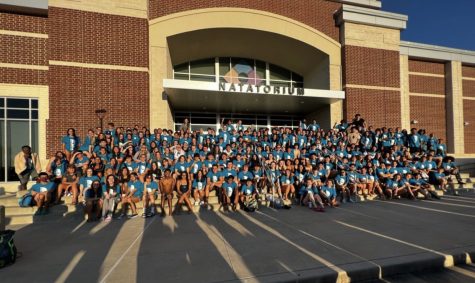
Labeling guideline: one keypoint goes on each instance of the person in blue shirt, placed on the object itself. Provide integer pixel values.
(214, 181)
(414, 141)
(328, 193)
(247, 191)
(149, 195)
(134, 195)
(450, 168)
(142, 167)
(110, 193)
(287, 185)
(89, 141)
(80, 161)
(93, 198)
(230, 194)
(425, 186)
(41, 192)
(57, 166)
(70, 143)
(198, 186)
(309, 196)
(85, 182)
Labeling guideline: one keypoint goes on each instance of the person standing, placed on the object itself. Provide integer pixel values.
(27, 164)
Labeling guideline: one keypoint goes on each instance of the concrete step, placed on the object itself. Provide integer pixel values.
(9, 200)
(465, 175)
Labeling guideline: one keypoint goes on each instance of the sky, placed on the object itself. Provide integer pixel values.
(449, 23)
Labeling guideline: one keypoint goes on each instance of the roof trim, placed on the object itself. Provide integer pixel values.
(372, 17)
(435, 52)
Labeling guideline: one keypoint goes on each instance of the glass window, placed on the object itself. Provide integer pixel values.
(203, 78)
(34, 136)
(185, 77)
(18, 103)
(18, 114)
(15, 131)
(2, 150)
(203, 67)
(2, 102)
(224, 66)
(279, 83)
(16, 138)
(181, 68)
(278, 73)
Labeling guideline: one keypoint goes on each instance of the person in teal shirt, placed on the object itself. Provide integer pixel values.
(149, 195)
(133, 195)
(41, 193)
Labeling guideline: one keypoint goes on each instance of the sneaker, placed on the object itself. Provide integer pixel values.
(121, 216)
(350, 200)
(108, 218)
(143, 215)
(133, 216)
(151, 214)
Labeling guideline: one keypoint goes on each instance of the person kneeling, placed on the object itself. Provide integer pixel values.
(229, 193)
(328, 194)
(133, 196)
(93, 198)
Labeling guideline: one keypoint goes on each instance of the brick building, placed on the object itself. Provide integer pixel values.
(267, 62)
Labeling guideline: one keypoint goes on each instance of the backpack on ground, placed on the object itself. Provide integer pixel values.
(8, 251)
(26, 200)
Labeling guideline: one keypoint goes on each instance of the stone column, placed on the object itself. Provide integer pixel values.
(454, 104)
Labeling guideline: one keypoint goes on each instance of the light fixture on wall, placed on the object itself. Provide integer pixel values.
(101, 113)
(414, 122)
(466, 123)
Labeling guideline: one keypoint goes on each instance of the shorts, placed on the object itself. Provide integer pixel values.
(24, 178)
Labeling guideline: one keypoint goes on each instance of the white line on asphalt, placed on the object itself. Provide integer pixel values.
(448, 262)
(325, 242)
(430, 209)
(458, 200)
(459, 197)
(447, 203)
(63, 277)
(126, 251)
(465, 272)
(342, 275)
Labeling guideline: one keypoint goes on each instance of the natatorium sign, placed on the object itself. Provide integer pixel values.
(185, 86)
(261, 89)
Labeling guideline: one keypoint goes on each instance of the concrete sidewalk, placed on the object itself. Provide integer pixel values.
(364, 241)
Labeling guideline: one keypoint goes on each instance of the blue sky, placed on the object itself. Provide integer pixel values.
(448, 23)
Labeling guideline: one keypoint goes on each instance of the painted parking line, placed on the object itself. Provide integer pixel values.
(429, 209)
(458, 200)
(139, 236)
(460, 197)
(450, 204)
(342, 275)
(324, 241)
(448, 262)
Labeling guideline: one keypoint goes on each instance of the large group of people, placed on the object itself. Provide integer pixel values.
(304, 166)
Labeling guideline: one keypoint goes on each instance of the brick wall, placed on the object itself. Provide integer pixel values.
(468, 71)
(315, 13)
(88, 37)
(430, 114)
(15, 49)
(469, 130)
(426, 67)
(468, 88)
(95, 38)
(370, 66)
(23, 50)
(23, 23)
(425, 84)
(373, 68)
(380, 108)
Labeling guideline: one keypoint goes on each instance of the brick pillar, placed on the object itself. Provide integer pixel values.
(405, 98)
(454, 104)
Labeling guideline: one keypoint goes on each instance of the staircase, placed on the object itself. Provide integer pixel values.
(16, 215)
